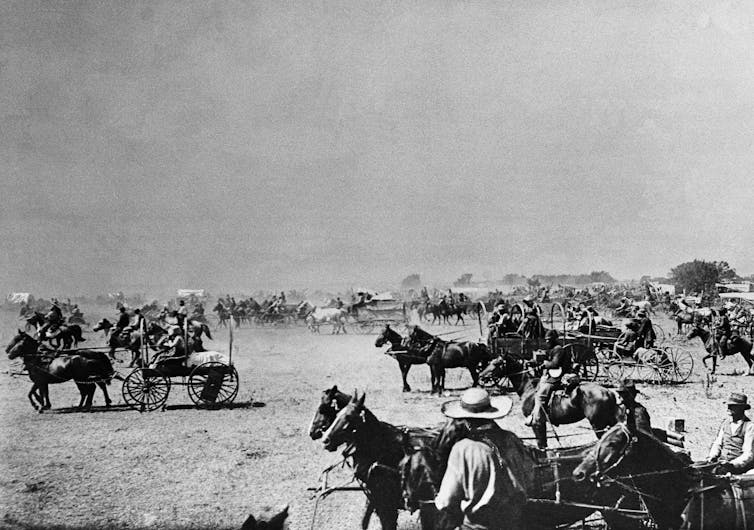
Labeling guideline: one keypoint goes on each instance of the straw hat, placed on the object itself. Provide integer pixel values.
(736, 399)
(477, 403)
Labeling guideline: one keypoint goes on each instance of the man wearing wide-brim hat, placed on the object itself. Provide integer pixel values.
(637, 417)
(733, 449)
(475, 483)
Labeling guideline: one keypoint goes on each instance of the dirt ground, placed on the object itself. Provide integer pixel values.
(189, 468)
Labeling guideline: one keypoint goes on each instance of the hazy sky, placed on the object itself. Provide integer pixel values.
(147, 146)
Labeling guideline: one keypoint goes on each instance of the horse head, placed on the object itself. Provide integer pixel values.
(346, 424)
(103, 325)
(388, 334)
(332, 401)
(696, 331)
(21, 344)
(606, 455)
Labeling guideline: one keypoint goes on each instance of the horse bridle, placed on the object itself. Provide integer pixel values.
(600, 474)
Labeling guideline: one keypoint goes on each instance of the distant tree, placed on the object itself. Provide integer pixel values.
(465, 279)
(533, 282)
(700, 275)
(513, 279)
(601, 276)
(412, 281)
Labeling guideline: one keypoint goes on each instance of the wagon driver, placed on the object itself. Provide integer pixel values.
(733, 449)
(475, 484)
(173, 349)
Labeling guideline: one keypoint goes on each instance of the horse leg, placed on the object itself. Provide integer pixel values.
(388, 518)
(103, 387)
(368, 511)
(540, 432)
(405, 367)
(32, 394)
(45, 393)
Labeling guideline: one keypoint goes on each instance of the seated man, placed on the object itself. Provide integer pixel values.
(733, 449)
(623, 308)
(173, 349)
(627, 341)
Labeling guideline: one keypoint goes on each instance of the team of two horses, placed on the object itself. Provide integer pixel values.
(401, 468)
(440, 355)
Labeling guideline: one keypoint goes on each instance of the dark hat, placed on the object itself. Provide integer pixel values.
(551, 334)
(740, 400)
(627, 385)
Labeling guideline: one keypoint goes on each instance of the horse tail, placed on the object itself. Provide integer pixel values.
(207, 332)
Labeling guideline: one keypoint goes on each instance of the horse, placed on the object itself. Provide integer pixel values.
(535, 483)
(638, 463)
(738, 344)
(442, 355)
(376, 449)
(86, 368)
(405, 360)
(65, 336)
(317, 316)
(589, 401)
(644, 305)
(35, 321)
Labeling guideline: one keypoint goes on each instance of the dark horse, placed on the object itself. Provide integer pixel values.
(738, 344)
(636, 462)
(86, 368)
(66, 335)
(441, 313)
(405, 357)
(376, 449)
(535, 483)
(589, 401)
(441, 355)
(473, 356)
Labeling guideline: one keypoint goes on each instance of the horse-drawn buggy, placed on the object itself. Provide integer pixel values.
(376, 313)
(210, 379)
(594, 351)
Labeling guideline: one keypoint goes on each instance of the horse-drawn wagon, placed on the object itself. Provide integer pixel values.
(594, 352)
(210, 379)
(377, 313)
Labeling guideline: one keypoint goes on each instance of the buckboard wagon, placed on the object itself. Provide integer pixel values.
(210, 379)
(596, 355)
(378, 313)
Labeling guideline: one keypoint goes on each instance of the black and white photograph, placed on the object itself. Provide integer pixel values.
(361, 265)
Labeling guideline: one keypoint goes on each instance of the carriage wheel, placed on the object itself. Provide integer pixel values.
(614, 366)
(677, 364)
(145, 391)
(213, 384)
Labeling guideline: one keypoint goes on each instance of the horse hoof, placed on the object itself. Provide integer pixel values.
(406, 389)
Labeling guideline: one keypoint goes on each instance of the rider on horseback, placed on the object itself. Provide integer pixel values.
(722, 331)
(557, 364)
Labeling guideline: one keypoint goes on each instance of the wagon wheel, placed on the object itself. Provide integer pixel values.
(614, 366)
(145, 390)
(213, 384)
(587, 359)
(676, 364)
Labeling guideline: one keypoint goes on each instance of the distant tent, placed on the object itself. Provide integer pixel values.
(19, 298)
(187, 293)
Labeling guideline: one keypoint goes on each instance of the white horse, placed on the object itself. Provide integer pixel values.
(330, 315)
(645, 305)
